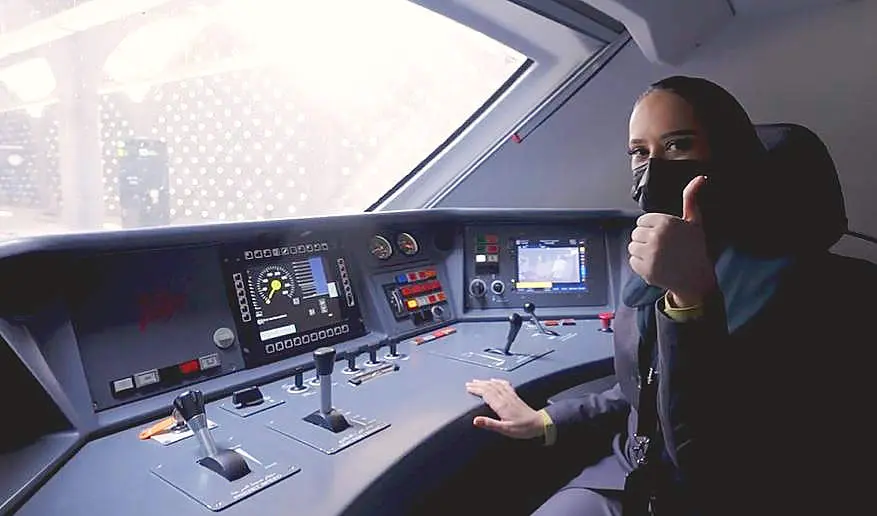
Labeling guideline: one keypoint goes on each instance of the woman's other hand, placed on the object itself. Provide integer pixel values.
(516, 419)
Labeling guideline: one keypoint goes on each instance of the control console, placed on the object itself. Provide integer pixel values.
(507, 266)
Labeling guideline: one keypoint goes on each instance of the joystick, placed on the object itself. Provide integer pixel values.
(326, 417)
(515, 322)
(530, 308)
(226, 463)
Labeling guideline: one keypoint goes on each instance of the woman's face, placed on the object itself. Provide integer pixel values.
(663, 126)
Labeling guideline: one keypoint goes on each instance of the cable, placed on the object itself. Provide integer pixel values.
(862, 236)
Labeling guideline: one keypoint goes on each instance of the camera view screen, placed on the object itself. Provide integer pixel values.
(293, 296)
(548, 265)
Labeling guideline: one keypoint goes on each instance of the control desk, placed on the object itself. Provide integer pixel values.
(315, 364)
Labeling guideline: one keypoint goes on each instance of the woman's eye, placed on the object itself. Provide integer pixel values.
(639, 152)
(680, 145)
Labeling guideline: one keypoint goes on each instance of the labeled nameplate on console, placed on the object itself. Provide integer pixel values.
(493, 359)
(501, 356)
(295, 426)
(267, 462)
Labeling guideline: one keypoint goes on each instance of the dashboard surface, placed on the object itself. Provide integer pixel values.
(113, 327)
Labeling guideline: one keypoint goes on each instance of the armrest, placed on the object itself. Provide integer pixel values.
(594, 386)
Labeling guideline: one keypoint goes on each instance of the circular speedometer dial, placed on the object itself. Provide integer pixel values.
(274, 282)
(380, 247)
(407, 244)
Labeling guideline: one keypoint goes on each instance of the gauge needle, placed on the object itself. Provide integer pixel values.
(275, 286)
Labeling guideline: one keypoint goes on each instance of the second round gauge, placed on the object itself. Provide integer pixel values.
(407, 244)
(275, 282)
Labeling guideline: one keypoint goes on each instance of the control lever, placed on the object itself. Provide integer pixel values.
(393, 351)
(298, 381)
(227, 463)
(351, 361)
(515, 323)
(326, 417)
(372, 355)
(530, 308)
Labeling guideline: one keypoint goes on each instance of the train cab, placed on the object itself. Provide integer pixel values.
(271, 256)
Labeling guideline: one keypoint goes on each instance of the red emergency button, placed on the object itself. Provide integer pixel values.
(606, 321)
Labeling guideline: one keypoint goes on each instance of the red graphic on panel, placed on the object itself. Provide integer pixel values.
(159, 306)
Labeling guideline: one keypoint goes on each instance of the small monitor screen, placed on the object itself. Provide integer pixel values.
(551, 265)
(293, 296)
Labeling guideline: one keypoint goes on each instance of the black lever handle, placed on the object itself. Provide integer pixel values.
(515, 322)
(190, 404)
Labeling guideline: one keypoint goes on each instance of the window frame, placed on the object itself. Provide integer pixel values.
(556, 55)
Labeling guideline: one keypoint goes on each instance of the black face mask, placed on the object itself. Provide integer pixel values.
(658, 184)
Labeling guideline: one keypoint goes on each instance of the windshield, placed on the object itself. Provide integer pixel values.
(135, 113)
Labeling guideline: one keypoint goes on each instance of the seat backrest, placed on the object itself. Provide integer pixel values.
(802, 177)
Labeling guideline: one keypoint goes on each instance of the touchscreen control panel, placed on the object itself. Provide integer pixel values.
(291, 298)
(507, 266)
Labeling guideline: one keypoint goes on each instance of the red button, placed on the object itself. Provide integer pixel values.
(189, 367)
(492, 249)
(606, 320)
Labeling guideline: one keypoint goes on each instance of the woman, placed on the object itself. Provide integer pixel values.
(708, 339)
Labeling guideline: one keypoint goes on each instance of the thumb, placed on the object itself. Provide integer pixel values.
(690, 206)
(491, 424)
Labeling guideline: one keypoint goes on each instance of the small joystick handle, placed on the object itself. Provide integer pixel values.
(324, 361)
(190, 404)
(515, 322)
(351, 361)
(530, 308)
(373, 355)
(393, 353)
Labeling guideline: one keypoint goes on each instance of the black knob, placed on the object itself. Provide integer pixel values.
(477, 287)
(324, 361)
(190, 404)
(530, 308)
(373, 355)
(393, 350)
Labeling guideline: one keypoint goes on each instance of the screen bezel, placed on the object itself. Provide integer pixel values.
(258, 352)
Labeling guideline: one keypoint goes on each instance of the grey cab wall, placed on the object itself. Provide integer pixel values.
(813, 67)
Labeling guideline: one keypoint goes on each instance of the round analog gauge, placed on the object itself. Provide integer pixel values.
(274, 283)
(407, 244)
(380, 247)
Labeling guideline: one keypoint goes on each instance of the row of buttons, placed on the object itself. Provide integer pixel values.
(413, 276)
(419, 302)
(444, 332)
(345, 280)
(421, 288)
(285, 251)
(302, 340)
(241, 292)
(152, 376)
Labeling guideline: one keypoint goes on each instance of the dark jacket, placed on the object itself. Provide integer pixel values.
(760, 399)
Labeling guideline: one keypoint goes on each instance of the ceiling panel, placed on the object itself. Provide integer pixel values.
(765, 7)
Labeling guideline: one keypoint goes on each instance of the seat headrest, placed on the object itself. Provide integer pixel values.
(804, 180)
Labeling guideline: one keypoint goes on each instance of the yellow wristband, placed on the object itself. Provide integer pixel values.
(681, 314)
(548, 428)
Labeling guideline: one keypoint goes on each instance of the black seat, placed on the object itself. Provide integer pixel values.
(801, 178)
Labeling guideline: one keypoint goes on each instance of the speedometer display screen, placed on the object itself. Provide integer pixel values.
(291, 299)
(293, 296)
